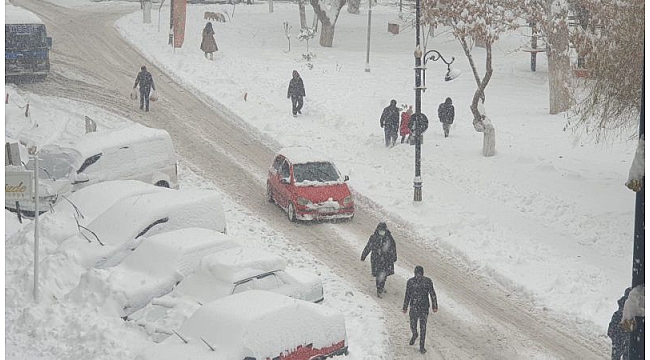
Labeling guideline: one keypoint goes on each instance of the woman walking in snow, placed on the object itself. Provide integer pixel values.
(208, 44)
(404, 125)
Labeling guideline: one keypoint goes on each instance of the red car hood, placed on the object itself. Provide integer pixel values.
(320, 193)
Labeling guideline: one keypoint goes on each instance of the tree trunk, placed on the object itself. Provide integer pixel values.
(327, 30)
(327, 35)
(353, 6)
(303, 16)
(559, 64)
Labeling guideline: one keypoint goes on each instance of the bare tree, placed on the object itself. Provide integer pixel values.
(471, 22)
(303, 16)
(613, 45)
(327, 13)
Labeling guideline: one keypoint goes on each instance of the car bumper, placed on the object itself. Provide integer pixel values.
(309, 215)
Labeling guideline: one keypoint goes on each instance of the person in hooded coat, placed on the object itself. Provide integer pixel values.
(404, 125)
(296, 92)
(620, 338)
(446, 115)
(390, 122)
(383, 255)
(208, 44)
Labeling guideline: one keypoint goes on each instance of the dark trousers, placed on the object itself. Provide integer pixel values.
(296, 103)
(621, 346)
(422, 317)
(445, 128)
(390, 135)
(380, 280)
(144, 97)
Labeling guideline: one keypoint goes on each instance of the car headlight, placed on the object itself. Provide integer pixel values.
(348, 199)
(302, 201)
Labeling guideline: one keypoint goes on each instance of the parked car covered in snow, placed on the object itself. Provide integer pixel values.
(256, 325)
(133, 152)
(153, 269)
(120, 229)
(308, 186)
(222, 274)
(235, 270)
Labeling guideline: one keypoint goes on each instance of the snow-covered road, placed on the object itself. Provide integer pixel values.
(91, 63)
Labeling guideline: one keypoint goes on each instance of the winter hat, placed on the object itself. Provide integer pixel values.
(393, 102)
(419, 270)
(448, 101)
(143, 67)
(382, 226)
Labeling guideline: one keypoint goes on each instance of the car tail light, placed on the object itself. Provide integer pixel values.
(302, 201)
(348, 199)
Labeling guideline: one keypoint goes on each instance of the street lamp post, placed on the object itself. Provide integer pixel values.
(418, 122)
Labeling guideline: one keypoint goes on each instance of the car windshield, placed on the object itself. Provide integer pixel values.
(315, 171)
(54, 164)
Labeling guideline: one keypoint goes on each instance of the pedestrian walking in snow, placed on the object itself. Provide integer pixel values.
(390, 122)
(419, 289)
(208, 44)
(296, 92)
(404, 125)
(620, 338)
(446, 115)
(145, 81)
(383, 254)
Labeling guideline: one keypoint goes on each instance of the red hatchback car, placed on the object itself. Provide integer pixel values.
(308, 186)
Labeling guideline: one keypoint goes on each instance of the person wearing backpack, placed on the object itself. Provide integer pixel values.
(446, 115)
(419, 289)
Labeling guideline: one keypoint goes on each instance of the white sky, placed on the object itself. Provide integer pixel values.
(548, 216)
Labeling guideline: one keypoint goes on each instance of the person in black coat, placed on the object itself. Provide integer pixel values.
(390, 122)
(296, 92)
(418, 290)
(383, 254)
(145, 80)
(620, 338)
(446, 115)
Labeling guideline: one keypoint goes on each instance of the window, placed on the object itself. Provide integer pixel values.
(277, 163)
(268, 281)
(315, 171)
(285, 172)
(242, 286)
(91, 160)
(159, 221)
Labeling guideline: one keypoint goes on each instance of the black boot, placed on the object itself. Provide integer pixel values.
(413, 338)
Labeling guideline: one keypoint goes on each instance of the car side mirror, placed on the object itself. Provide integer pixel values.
(346, 178)
(80, 178)
(48, 40)
(284, 181)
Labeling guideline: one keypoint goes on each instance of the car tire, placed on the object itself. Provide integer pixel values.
(162, 183)
(291, 212)
(269, 193)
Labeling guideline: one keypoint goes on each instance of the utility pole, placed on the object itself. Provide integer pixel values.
(368, 46)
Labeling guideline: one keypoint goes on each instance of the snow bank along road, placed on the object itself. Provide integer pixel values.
(91, 63)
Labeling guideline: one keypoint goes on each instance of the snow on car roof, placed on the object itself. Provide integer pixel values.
(120, 224)
(303, 154)
(18, 15)
(232, 265)
(264, 322)
(95, 142)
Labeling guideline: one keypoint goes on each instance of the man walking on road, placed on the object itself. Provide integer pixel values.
(383, 254)
(145, 80)
(390, 122)
(418, 290)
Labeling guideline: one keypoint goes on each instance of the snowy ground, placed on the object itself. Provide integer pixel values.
(548, 216)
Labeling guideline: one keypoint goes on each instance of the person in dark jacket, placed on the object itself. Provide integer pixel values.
(383, 254)
(145, 81)
(296, 92)
(418, 290)
(208, 44)
(446, 115)
(390, 122)
(620, 338)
